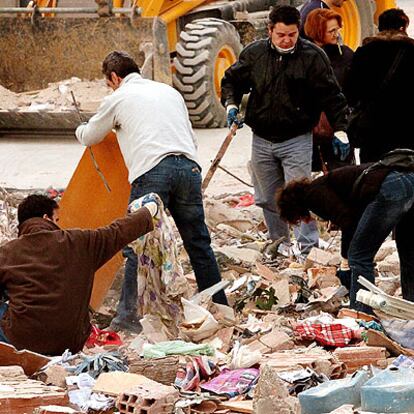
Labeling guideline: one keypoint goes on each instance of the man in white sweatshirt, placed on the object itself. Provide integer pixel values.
(160, 151)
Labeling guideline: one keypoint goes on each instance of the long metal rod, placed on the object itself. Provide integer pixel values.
(64, 10)
(234, 176)
(95, 163)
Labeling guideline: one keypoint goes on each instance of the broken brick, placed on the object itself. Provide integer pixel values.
(322, 277)
(55, 409)
(163, 370)
(357, 357)
(321, 257)
(22, 397)
(149, 397)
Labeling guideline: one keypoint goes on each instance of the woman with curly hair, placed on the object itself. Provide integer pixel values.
(366, 209)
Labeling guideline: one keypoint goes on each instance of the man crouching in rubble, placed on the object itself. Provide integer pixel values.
(47, 275)
(366, 209)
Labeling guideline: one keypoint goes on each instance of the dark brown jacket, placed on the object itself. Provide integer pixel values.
(332, 198)
(48, 275)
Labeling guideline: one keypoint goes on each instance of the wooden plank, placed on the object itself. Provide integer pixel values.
(245, 406)
(86, 203)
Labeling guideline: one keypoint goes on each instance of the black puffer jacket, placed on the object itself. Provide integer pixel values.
(391, 124)
(287, 92)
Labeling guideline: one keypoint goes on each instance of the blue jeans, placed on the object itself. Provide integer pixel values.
(177, 180)
(392, 207)
(3, 309)
(273, 165)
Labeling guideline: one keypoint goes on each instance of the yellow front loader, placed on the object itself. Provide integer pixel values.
(188, 43)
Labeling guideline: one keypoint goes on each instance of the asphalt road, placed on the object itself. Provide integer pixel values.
(26, 164)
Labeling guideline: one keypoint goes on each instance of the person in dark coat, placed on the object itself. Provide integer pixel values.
(388, 119)
(323, 27)
(290, 82)
(47, 274)
(366, 213)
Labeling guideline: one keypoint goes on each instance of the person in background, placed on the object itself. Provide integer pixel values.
(290, 81)
(380, 76)
(311, 5)
(323, 27)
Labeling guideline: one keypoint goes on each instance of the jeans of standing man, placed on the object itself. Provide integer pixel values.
(392, 207)
(3, 308)
(177, 180)
(273, 165)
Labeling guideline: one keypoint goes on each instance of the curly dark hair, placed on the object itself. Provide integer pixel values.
(291, 201)
(35, 205)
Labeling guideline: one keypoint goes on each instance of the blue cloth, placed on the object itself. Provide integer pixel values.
(177, 180)
(392, 207)
(3, 308)
(273, 165)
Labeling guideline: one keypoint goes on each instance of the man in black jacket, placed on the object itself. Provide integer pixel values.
(290, 81)
(366, 214)
(387, 118)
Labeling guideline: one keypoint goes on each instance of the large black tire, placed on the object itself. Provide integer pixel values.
(197, 50)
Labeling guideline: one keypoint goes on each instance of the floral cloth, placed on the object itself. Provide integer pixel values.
(161, 281)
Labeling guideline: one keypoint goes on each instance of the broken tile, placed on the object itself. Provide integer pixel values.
(31, 362)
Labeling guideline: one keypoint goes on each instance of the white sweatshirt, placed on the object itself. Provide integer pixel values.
(150, 121)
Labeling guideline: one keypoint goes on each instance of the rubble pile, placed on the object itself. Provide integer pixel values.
(56, 97)
(286, 344)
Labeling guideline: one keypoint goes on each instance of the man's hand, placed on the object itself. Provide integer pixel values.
(151, 201)
(232, 113)
(340, 148)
